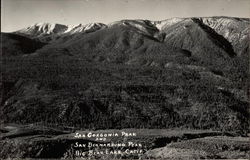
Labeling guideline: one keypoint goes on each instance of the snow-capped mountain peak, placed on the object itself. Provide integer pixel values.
(43, 28)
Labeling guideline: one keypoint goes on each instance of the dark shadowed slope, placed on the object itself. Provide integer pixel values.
(13, 44)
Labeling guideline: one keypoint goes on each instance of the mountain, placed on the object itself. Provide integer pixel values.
(139, 41)
(39, 29)
(179, 72)
(47, 32)
(43, 31)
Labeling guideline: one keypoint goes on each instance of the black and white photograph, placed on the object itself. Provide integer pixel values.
(125, 79)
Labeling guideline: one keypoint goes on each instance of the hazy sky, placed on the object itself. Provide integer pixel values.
(17, 14)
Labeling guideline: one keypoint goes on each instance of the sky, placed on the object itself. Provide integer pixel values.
(17, 14)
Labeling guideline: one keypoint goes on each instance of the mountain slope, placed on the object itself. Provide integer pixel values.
(235, 30)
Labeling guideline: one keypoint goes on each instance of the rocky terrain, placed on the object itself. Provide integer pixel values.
(189, 73)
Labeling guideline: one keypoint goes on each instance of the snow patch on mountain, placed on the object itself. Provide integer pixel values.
(166, 23)
(144, 26)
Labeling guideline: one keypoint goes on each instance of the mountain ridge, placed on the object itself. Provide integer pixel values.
(200, 37)
(157, 24)
(232, 31)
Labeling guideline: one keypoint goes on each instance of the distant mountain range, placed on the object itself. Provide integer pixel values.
(190, 72)
(220, 36)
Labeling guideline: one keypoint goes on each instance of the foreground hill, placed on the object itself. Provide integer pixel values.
(181, 72)
(39, 142)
